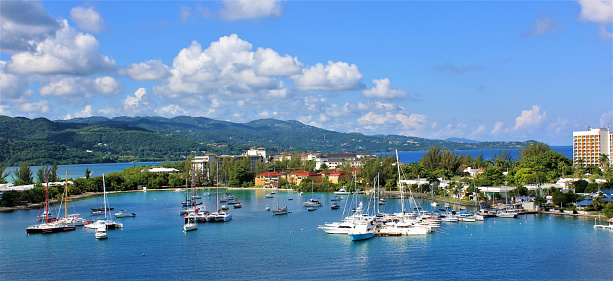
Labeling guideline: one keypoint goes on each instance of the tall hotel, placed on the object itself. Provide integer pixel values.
(591, 144)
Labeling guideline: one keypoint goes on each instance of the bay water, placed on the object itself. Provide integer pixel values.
(257, 245)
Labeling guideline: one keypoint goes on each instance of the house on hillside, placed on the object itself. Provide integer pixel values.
(268, 179)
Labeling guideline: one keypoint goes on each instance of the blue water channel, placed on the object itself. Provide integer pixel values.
(257, 245)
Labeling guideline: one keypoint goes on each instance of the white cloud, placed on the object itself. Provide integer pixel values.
(335, 76)
(4, 110)
(270, 63)
(185, 13)
(498, 128)
(543, 26)
(87, 19)
(69, 52)
(107, 86)
(383, 90)
(149, 70)
(171, 110)
(139, 103)
(413, 121)
(250, 9)
(85, 87)
(599, 11)
(529, 118)
(604, 34)
(23, 24)
(560, 126)
(227, 68)
(86, 112)
(449, 67)
(606, 119)
(480, 130)
(12, 87)
(41, 106)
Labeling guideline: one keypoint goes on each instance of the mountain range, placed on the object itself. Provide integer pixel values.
(101, 139)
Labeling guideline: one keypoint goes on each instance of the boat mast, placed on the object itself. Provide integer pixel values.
(104, 196)
(217, 192)
(66, 197)
(400, 183)
(47, 198)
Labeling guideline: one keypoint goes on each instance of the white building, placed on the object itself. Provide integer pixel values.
(588, 146)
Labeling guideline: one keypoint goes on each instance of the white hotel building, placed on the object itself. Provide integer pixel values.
(591, 144)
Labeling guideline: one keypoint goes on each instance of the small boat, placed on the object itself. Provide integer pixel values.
(123, 214)
(102, 209)
(97, 213)
(290, 198)
(280, 211)
(267, 208)
(335, 206)
(225, 207)
(268, 195)
(336, 198)
(311, 209)
(382, 201)
(313, 203)
(190, 225)
(341, 191)
(237, 205)
(433, 204)
(101, 233)
(362, 232)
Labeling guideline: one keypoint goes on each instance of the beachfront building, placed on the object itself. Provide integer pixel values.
(335, 176)
(268, 179)
(334, 160)
(203, 163)
(590, 145)
(297, 177)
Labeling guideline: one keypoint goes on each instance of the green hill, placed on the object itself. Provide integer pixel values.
(101, 139)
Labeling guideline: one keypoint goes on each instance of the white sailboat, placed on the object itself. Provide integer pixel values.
(107, 223)
(190, 225)
(312, 202)
(219, 215)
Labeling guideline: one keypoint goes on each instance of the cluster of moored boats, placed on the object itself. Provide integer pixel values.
(46, 223)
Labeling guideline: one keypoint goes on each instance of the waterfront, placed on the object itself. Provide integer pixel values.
(256, 245)
(78, 170)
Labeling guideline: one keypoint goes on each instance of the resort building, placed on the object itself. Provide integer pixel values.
(268, 179)
(203, 163)
(297, 177)
(590, 145)
(335, 176)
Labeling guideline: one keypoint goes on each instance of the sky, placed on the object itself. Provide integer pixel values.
(480, 70)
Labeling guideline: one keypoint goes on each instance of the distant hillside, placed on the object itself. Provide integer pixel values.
(96, 139)
(461, 140)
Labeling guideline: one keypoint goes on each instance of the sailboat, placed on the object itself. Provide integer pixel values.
(48, 226)
(101, 232)
(281, 210)
(72, 219)
(219, 215)
(190, 225)
(109, 224)
(312, 202)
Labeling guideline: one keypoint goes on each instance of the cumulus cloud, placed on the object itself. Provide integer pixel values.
(69, 52)
(268, 62)
(498, 128)
(86, 112)
(171, 110)
(139, 103)
(23, 24)
(599, 11)
(41, 106)
(383, 90)
(529, 118)
(12, 87)
(412, 121)
(543, 26)
(149, 70)
(606, 119)
(333, 77)
(250, 9)
(87, 19)
(480, 130)
(83, 87)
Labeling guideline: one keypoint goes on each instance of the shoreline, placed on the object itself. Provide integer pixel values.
(395, 193)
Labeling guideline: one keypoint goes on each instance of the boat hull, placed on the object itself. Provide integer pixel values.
(46, 230)
(361, 236)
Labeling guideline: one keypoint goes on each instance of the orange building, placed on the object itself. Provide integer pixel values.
(296, 178)
(268, 179)
(335, 176)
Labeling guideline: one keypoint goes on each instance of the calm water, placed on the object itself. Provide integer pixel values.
(256, 245)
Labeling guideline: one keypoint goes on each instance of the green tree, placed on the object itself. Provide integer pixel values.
(88, 173)
(3, 176)
(23, 175)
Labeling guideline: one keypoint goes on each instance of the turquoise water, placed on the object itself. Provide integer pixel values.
(256, 245)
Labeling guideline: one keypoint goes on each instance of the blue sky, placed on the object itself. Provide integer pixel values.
(483, 70)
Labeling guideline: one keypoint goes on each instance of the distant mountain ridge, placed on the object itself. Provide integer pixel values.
(461, 140)
(95, 139)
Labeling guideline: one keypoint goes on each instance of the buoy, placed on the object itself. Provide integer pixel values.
(361, 257)
(301, 229)
(467, 226)
(143, 254)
